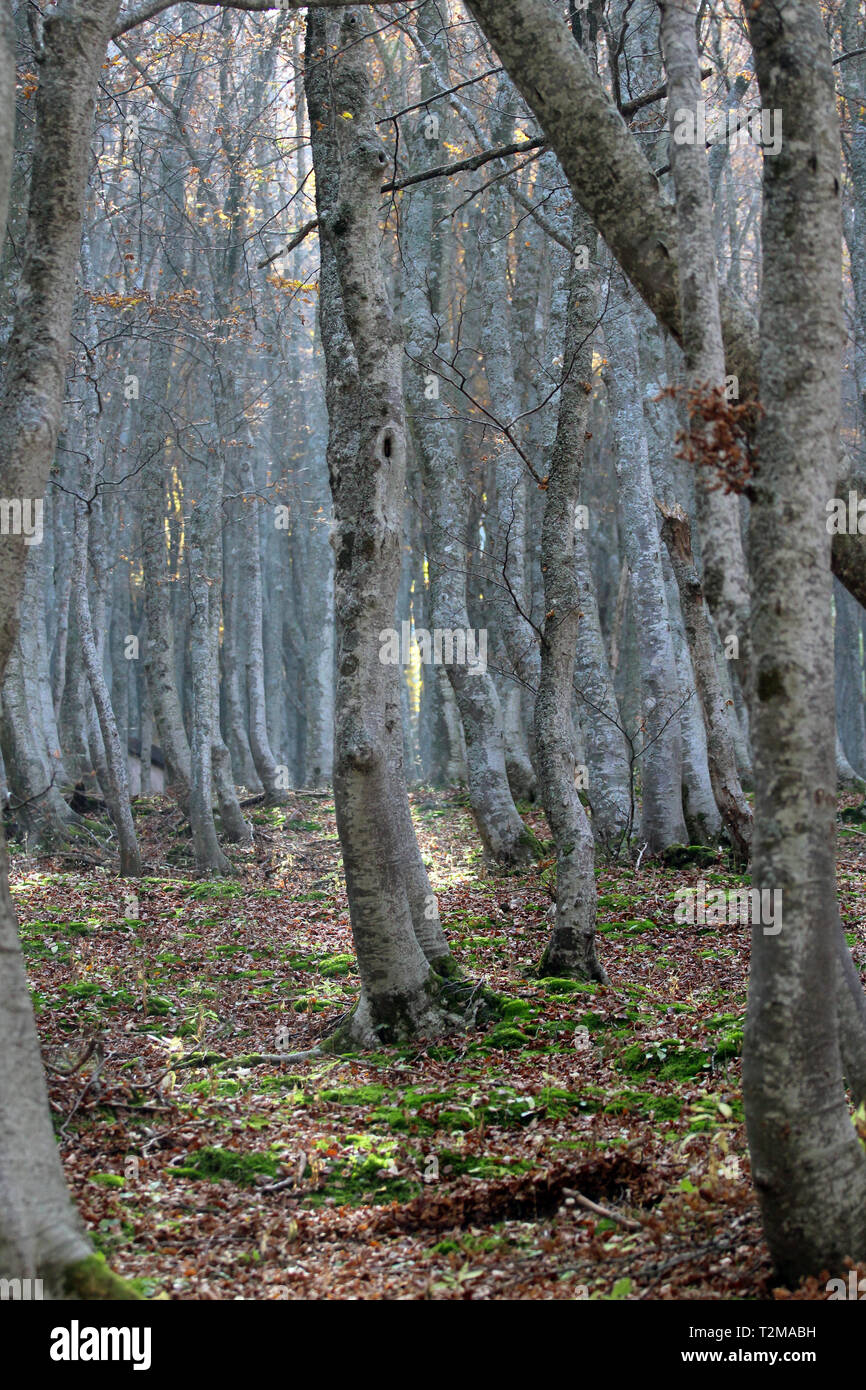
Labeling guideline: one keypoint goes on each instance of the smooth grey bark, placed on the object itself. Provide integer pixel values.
(571, 949)
(33, 769)
(313, 554)
(159, 648)
(251, 579)
(702, 817)
(728, 792)
(845, 774)
(607, 755)
(44, 556)
(89, 537)
(614, 183)
(435, 436)
(232, 821)
(852, 73)
(808, 1165)
(120, 627)
(725, 580)
(62, 548)
(508, 560)
(115, 781)
(40, 1233)
(850, 713)
(662, 822)
(232, 655)
(208, 855)
(400, 994)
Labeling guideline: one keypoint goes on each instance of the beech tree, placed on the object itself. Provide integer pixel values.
(467, 346)
(40, 1234)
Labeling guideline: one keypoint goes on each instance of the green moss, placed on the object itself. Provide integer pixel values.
(616, 900)
(633, 928)
(358, 1095)
(392, 1117)
(553, 984)
(459, 1165)
(515, 1008)
(107, 1179)
(91, 1279)
(463, 1118)
(730, 1044)
(532, 842)
(557, 1102)
(506, 1035)
(418, 1095)
(670, 1059)
(336, 965)
(362, 1182)
(224, 1165)
(683, 856)
(218, 888)
(158, 1005)
(644, 1103)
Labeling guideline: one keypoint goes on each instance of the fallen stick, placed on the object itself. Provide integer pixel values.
(582, 1201)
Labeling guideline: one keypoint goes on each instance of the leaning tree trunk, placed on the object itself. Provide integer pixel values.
(615, 184)
(571, 949)
(40, 1234)
(808, 1165)
(400, 994)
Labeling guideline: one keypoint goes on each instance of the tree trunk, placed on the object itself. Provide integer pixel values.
(662, 822)
(40, 1235)
(808, 1165)
(159, 647)
(400, 994)
(571, 949)
(499, 824)
(735, 809)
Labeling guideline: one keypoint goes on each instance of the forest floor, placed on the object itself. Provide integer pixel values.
(457, 1170)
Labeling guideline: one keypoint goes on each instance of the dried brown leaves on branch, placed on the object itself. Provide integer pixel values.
(718, 436)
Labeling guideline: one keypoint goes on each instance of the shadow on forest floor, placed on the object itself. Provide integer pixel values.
(472, 1168)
